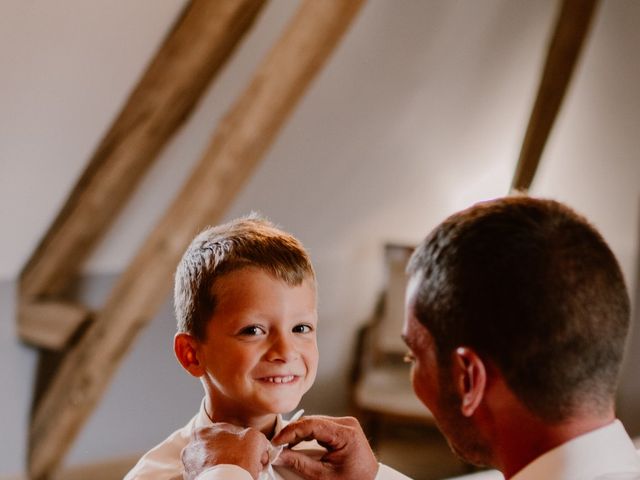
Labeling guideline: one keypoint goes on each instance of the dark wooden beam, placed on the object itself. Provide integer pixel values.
(48, 324)
(193, 52)
(569, 35)
(240, 141)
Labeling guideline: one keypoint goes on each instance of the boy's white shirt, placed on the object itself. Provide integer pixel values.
(234, 472)
(164, 461)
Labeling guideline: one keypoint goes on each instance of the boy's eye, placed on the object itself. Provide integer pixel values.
(302, 328)
(409, 357)
(252, 331)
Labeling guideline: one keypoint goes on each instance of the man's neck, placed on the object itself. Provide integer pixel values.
(517, 437)
(529, 438)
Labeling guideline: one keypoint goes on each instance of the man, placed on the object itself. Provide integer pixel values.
(516, 319)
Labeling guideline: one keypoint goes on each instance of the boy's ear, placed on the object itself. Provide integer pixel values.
(185, 347)
(470, 379)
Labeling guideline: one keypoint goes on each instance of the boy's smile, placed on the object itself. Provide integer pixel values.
(260, 353)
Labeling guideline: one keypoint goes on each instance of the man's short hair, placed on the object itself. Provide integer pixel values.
(245, 242)
(533, 287)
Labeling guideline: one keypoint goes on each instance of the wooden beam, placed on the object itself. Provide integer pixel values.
(572, 26)
(628, 395)
(192, 53)
(50, 325)
(240, 140)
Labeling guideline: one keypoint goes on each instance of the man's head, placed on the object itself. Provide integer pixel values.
(245, 299)
(530, 287)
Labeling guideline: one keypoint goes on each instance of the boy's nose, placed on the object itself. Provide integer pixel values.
(282, 349)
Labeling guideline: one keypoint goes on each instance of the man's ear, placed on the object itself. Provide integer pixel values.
(185, 346)
(470, 379)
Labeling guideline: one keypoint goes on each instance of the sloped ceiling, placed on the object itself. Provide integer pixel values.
(420, 112)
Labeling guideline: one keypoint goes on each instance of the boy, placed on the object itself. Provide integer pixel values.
(245, 301)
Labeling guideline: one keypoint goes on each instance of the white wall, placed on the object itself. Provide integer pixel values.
(420, 112)
(16, 378)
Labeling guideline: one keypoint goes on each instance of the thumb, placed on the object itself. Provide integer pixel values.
(264, 460)
(305, 466)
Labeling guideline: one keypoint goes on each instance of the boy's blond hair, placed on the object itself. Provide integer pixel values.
(248, 241)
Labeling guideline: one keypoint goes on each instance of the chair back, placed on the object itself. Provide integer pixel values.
(386, 341)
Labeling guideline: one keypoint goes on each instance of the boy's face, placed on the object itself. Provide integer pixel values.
(260, 353)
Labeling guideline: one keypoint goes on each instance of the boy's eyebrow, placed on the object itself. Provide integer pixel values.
(256, 315)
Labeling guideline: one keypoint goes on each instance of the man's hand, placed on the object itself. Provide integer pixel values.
(348, 456)
(223, 443)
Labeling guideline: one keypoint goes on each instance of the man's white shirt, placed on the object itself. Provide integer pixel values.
(606, 453)
(602, 454)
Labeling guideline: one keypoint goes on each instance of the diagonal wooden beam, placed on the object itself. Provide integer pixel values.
(628, 395)
(193, 52)
(572, 26)
(50, 324)
(240, 140)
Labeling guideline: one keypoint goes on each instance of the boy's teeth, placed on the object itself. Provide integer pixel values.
(286, 379)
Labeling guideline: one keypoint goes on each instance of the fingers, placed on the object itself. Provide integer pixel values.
(256, 440)
(329, 432)
(305, 466)
(226, 444)
(347, 421)
(348, 452)
(225, 433)
(311, 427)
(264, 459)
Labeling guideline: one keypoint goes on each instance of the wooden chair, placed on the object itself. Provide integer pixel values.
(381, 387)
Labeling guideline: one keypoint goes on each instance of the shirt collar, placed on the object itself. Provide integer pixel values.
(202, 419)
(605, 450)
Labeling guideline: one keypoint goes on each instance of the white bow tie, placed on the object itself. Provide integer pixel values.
(274, 452)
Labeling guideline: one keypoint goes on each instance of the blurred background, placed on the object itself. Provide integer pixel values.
(421, 111)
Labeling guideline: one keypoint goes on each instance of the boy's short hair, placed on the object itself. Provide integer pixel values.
(249, 241)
